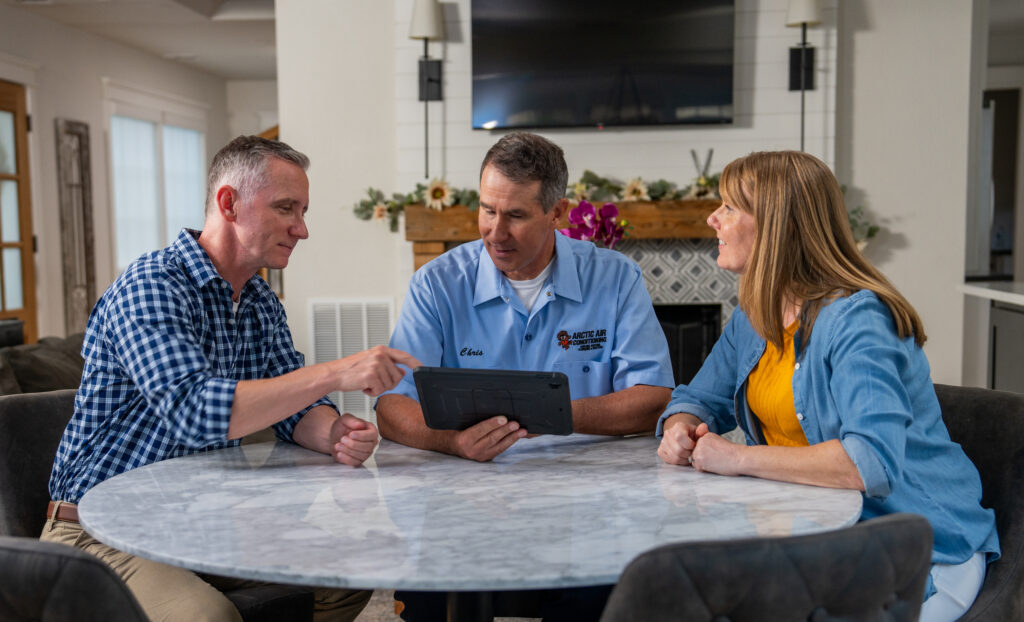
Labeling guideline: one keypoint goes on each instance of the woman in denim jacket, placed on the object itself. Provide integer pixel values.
(821, 366)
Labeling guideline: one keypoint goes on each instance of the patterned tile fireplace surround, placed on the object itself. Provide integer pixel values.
(683, 271)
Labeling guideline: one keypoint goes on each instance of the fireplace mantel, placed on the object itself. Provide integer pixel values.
(431, 231)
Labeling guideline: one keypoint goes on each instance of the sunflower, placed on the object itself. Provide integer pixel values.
(636, 190)
(579, 190)
(438, 195)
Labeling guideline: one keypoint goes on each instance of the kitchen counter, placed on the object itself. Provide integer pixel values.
(1011, 292)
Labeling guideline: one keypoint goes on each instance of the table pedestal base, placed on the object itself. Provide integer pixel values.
(470, 607)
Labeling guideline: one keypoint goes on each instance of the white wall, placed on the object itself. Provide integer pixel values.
(340, 111)
(358, 117)
(905, 103)
(64, 67)
(252, 106)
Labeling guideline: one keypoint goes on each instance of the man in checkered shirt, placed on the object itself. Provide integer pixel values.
(189, 350)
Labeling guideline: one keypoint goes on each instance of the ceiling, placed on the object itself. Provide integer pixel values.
(234, 39)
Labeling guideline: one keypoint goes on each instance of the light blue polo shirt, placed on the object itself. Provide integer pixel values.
(593, 320)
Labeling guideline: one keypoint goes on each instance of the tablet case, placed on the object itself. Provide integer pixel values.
(455, 399)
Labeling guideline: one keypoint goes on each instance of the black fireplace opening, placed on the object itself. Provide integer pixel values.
(691, 331)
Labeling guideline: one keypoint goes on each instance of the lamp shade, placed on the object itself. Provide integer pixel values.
(427, 22)
(803, 12)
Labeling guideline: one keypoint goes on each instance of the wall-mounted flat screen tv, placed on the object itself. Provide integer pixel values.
(599, 63)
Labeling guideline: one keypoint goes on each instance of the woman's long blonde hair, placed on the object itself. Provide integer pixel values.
(804, 250)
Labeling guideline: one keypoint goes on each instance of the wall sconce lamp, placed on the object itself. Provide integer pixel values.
(802, 13)
(427, 24)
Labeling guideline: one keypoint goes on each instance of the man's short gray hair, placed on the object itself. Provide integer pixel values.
(242, 164)
(524, 158)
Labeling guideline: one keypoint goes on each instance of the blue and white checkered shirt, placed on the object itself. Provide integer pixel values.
(163, 352)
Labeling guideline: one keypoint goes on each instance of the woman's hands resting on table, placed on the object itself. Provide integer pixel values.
(688, 441)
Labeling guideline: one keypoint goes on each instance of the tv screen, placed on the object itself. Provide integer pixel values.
(596, 63)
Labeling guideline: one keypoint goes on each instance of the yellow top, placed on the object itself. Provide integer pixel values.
(770, 394)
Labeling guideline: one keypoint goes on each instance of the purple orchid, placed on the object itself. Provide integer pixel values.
(601, 225)
(585, 223)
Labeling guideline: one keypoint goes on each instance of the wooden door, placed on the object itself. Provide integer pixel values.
(17, 265)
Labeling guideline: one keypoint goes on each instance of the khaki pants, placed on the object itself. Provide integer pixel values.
(170, 594)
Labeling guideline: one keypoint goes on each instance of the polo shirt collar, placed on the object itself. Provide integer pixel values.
(565, 280)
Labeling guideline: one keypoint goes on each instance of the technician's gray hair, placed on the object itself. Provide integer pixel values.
(242, 164)
(524, 158)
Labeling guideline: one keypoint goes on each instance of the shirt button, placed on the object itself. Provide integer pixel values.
(586, 368)
(800, 416)
(528, 337)
(549, 293)
(506, 298)
(797, 366)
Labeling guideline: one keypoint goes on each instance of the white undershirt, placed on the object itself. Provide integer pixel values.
(529, 289)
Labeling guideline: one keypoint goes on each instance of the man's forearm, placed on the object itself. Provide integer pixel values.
(313, 431)
(631, 411)
(400, 419)
(261, 403)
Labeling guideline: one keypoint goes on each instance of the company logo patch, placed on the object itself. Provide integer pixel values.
(583, 340)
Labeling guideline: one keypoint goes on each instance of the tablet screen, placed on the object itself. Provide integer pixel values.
(455, 399)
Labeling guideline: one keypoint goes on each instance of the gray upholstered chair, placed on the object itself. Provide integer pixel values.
(51, 581)
(989, 425)
(875, 570)
(31, 425)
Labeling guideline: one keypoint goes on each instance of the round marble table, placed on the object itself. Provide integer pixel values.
(550, 512)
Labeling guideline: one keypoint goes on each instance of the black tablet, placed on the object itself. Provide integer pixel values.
(455, 399)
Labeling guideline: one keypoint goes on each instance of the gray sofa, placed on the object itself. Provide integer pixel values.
(53, 363)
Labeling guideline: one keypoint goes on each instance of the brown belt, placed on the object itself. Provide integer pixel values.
(62, 511)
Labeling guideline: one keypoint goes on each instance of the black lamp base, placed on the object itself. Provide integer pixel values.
(430, 80)
(795, 63)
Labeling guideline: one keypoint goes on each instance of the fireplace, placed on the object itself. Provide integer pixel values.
(693, 298)
(691, 331)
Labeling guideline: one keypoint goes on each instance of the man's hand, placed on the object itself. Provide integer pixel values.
(679, 438)
(371, 371)
(487, 439)
(353, 439)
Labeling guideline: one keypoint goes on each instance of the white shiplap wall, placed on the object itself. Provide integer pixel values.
(767, 115)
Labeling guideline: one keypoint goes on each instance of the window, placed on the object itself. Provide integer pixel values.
(158, 164)
(17, 276)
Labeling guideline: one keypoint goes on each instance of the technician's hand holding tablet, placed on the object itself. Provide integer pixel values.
(493, 408)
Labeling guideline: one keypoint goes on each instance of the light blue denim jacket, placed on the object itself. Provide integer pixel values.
(858, 382)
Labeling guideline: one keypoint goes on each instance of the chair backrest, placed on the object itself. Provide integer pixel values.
(31, 425)
(989, 426)
(52, 581)
(875, 570)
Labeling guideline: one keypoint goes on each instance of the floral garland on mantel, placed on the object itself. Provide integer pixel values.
(588, 223)
(590, 187)
(437, 195)
(593, 187)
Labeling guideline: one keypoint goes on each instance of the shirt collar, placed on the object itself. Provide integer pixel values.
(197, 264)
(565, 280)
